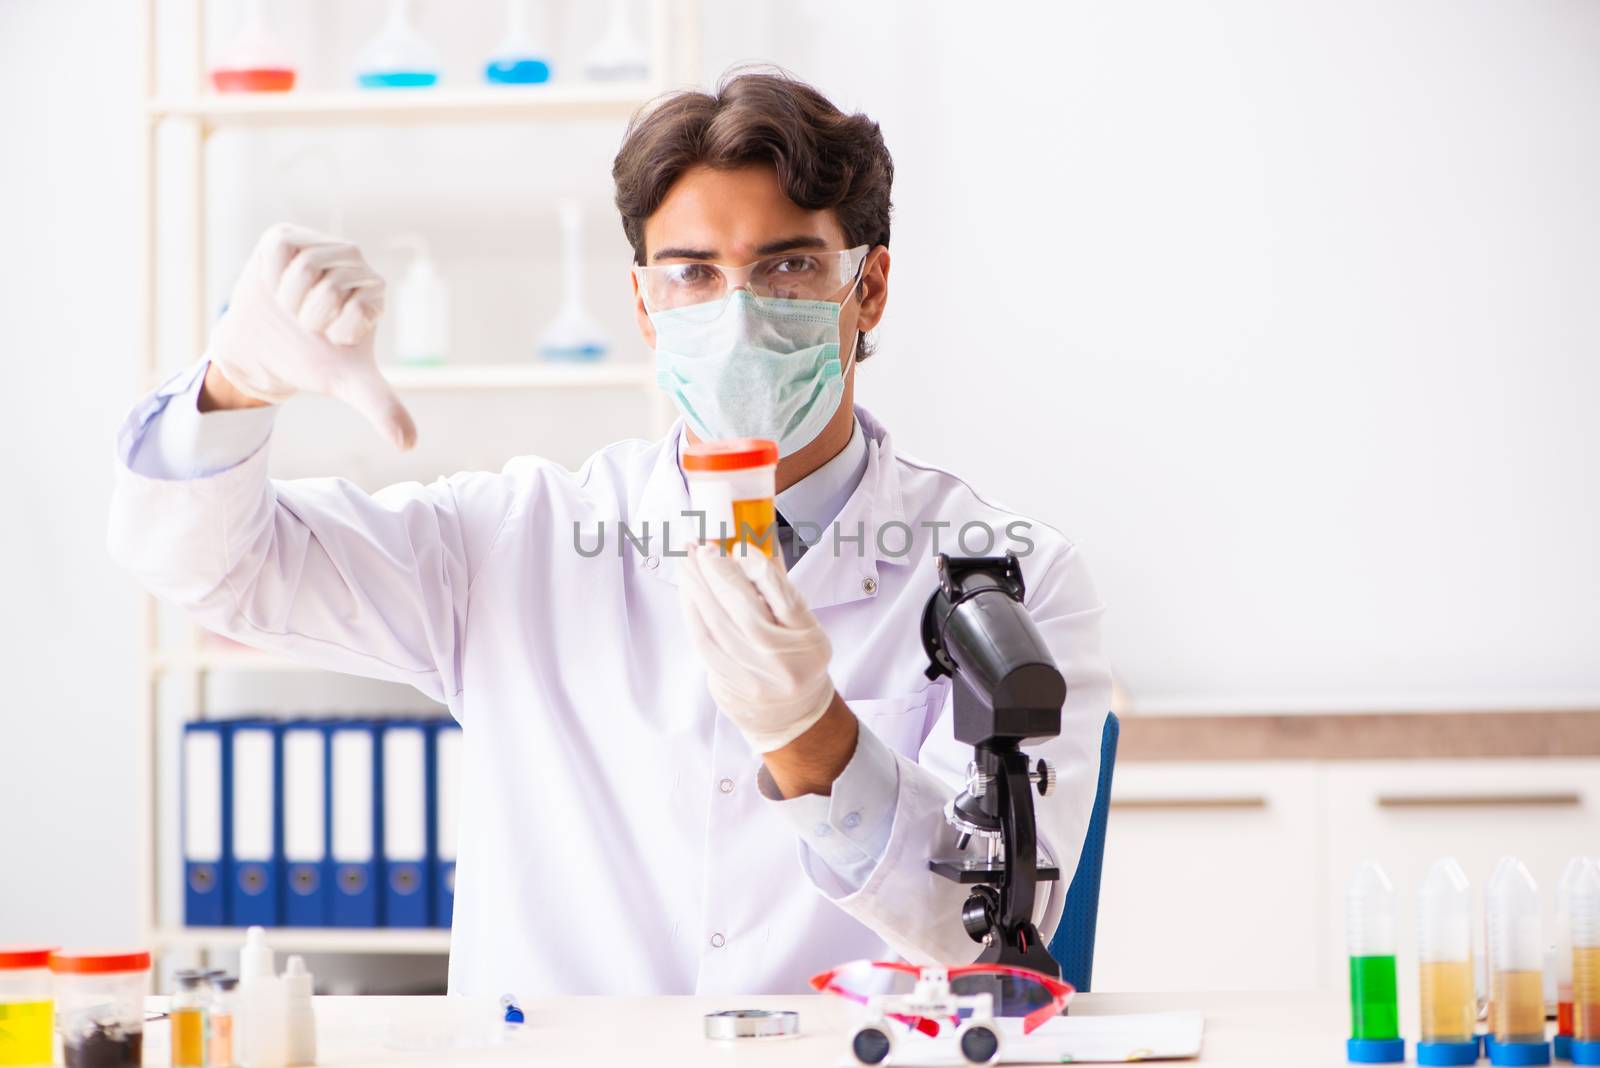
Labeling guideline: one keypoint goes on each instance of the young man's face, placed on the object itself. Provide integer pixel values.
(737, 216)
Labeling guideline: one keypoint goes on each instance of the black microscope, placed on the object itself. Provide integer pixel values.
(1007, 690)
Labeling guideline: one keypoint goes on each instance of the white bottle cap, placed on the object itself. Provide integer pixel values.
(255, 959)
(296, 979)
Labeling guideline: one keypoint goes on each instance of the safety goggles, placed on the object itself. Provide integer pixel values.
(787, 276)
(1016, 992)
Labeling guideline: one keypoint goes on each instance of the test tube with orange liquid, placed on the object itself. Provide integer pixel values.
(1444, 954)
(733, 484)
(1583, 922)
(1516, 968)
(1564, 957)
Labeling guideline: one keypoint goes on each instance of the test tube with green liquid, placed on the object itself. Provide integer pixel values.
(1370, 909)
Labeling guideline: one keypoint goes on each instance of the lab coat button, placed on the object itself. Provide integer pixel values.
(726, 786)
(652, 562)
(717, 941)
(869, 585)
(852, 820)
(823, 830)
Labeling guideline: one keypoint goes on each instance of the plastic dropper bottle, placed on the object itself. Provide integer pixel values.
(1516, 968)
(1569, 878)
(517, 60)
(1370, 937)
(263, 1040)
(1583, 921)
(1444, 952)
(399, 57)
(302, 1021)
(256, 60)
(573, 334)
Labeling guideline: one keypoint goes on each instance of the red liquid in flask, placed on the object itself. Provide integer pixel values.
(254, 80)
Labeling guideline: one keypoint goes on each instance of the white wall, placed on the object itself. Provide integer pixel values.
(68, 133)
(1285, 312)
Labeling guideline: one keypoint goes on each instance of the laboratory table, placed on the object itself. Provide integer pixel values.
(1242, 1030)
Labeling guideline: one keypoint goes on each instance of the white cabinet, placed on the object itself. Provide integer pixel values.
(1406, 814)
(1224, 876)
(1211, 878)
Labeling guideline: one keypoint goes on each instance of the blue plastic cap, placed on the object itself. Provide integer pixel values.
(1447, 1052)
(1562, 1046)
(1375, 1050)
(1519, 1053)
(1585, 1052)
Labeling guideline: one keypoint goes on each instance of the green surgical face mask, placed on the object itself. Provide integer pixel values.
(753, 367)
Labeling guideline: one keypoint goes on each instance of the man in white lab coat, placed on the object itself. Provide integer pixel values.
(683, 772)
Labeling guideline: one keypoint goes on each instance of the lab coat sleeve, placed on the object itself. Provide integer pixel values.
(917, 912)
(848, 828)
(169, 437)
(313, 569)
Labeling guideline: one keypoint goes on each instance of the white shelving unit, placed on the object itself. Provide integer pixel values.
(550, 102)
(379, 940)
(194, 115)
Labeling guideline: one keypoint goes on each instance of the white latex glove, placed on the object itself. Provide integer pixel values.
(302, 317)
(766, 657)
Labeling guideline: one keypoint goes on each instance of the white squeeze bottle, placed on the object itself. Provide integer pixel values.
(301, 1020)
(420, 303)
(261, 1017)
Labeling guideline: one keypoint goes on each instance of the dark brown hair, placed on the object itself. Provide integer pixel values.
(824, 158)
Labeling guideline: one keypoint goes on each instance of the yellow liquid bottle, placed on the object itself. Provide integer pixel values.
(188, 1038)
(732, 485)
(187, 1019)
(26, 1031)
(1516, 962)
(754, 524)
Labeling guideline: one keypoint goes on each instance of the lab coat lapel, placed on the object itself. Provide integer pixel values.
(660, 513)
(843, 566)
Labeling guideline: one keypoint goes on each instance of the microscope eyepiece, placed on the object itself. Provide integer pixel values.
(976, 630)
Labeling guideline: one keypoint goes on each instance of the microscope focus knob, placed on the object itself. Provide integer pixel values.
(980, 912)
(1046, 778)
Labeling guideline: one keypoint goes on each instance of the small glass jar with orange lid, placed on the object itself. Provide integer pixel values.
(100, 1002)
(733, 484)
(27, 1014)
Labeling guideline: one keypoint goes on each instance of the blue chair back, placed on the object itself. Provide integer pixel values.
(1073, 944)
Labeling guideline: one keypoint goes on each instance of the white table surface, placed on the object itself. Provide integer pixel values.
(1243, 1030)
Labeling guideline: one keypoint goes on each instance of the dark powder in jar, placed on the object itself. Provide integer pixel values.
(105, 1046)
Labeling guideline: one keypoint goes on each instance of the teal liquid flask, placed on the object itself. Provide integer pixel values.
(518, 60)
(399, 57)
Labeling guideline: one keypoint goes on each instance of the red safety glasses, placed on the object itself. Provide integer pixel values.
(1016, 992)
